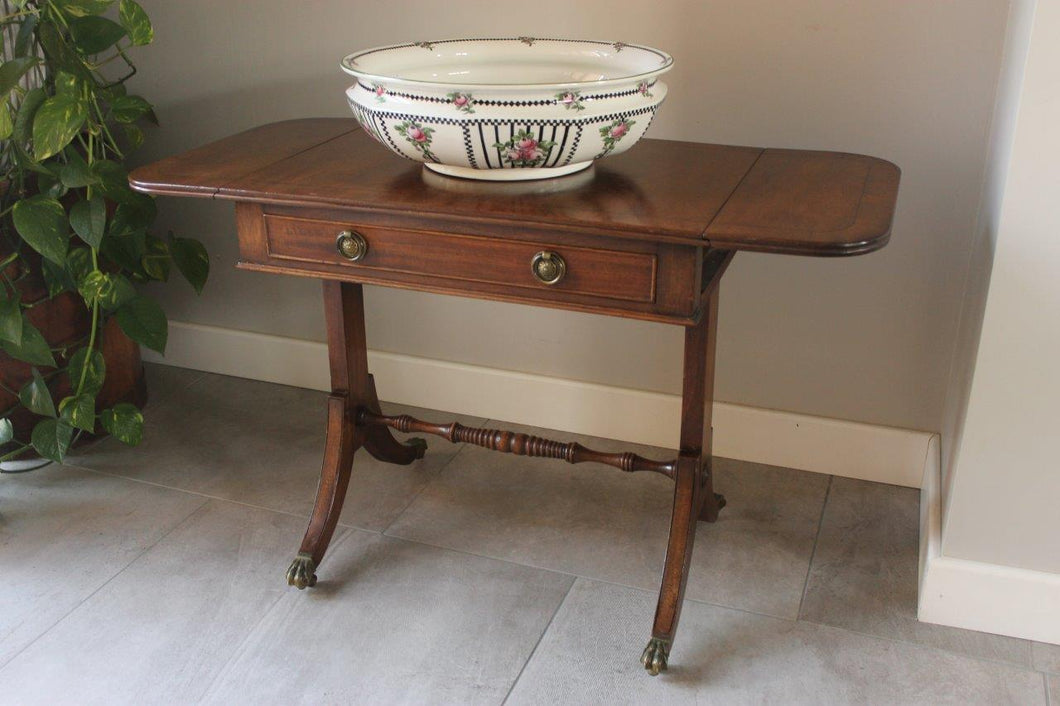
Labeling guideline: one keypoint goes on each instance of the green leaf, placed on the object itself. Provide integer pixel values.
(89, 220)
(7, 123)
(191, 258)
(62, 56)
(27, 111)
(36, 397)
(12, 71)
(57, 121)
(66, 84)
(49, 184)
(51, 438)
(10, 320)
(136, 22)
(93, 34)
(127, 252)
(76, 173)
(143, 320)
(79, 411)
(7, 432)
(124, 422)
(81, 8)
(56, 278)
(25, 38)
(79, 264)
(94, 376)
(41, 221)
(93, 286)
(114, 181)
(128, 109)
(134, 136)
(133, 216)
(32, 349)
(156, 260)
(120, 291)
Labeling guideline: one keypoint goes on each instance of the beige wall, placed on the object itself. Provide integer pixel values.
(1005, 484)
(867, 338)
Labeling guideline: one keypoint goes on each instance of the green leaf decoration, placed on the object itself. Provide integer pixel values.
(136, 22)
(81, 8)
(7, 123)
(143, 320)
(191, 258)
(31, 103)
(79, 411)
(128, 109)
(12, 71)
(32, 349)
(36, 397)
(94, 376)
(51, 438)
(93, 34)
(124, 422)
(156, 260)
(7, 432)
(89, 220)
(120, 291)
(57, 121)
(10, 320)
(76, 173)
(41, 221)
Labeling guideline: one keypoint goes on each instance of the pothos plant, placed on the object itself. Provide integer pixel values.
(67, 123)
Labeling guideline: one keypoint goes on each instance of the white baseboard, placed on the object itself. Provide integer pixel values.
(970, 594)
(832, 446)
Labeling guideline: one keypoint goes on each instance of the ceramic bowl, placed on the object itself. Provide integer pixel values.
(507, 109)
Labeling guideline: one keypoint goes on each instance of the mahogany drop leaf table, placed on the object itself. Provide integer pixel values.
(646, 235)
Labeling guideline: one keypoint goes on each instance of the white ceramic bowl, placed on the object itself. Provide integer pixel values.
(507, 109)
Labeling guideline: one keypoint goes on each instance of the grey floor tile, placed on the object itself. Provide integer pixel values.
(1046, 658)
(164, 380)
(160, 632)
(599, 522)
(63, 534)
(864, 574)
(392, 622)
(260, 444)
(590, 655)
(1053, 687)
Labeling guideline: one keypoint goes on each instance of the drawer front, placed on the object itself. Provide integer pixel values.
(612, 274)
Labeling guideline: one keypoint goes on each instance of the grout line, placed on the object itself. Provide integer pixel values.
(540, 639)
(1045, 685)
(106, 583)
(420, 492)
(813, 552)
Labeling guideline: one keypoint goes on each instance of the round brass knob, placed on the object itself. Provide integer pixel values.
(548, 267)
(351, 245)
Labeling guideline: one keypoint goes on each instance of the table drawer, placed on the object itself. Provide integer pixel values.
(613, 274)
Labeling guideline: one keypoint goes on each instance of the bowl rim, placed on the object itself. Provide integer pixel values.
(347, 61)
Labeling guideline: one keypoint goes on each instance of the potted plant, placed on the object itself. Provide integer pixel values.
(75, 239)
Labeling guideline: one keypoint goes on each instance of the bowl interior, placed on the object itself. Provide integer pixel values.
(508, 62)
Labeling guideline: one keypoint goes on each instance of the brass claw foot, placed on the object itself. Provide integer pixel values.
(301, 573)
(419, 444)
(721, 500)
(655, 654)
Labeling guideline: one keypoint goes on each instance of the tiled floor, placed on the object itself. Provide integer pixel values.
(155, 576)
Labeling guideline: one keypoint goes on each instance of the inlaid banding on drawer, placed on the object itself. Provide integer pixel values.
(627, 276)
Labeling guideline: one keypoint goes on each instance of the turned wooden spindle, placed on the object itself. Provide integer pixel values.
(517, 443)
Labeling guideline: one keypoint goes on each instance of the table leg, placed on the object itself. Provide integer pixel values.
(351, 386)
(694, 497)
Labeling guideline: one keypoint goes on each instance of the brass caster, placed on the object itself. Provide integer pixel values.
(419, 444)
(301, 575)
(655, 654)
(721, 500)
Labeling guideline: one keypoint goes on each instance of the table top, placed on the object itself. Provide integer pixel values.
(737, 198)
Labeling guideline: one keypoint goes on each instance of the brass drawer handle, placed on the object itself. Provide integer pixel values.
(548, 267)
(351, 245)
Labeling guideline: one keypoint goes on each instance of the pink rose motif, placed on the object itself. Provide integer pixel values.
(417, 134)
(528, 150)
(379, 90)
(619, 130)
(512, 155)
(567, 98)
(460, 101)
